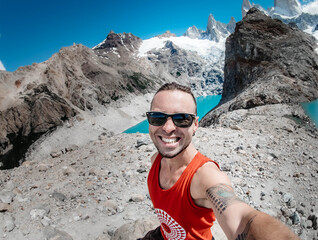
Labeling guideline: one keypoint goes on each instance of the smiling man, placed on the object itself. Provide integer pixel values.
(187, 189)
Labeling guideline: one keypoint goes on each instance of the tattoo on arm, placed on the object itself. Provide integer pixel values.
(222, 196)
(243, 235)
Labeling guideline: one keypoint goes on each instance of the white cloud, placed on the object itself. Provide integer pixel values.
(1, 66)
(311, 8)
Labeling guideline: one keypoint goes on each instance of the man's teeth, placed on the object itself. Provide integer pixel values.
(169, 140)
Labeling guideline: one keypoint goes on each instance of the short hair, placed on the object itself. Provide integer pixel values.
(176, 87)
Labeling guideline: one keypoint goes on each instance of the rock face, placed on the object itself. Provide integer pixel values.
(267, 62)
(22, 125)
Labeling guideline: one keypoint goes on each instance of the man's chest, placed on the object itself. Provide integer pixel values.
(168, 178)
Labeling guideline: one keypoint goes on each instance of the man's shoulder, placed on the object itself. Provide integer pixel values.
(208, 167)
(210, 174)
(207, 160)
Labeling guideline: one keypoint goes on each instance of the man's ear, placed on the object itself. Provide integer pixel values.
(196, 124)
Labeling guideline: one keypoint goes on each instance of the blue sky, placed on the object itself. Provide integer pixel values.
(32, 31)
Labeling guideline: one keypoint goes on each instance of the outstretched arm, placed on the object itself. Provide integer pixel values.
(212, 188)
(250, 223)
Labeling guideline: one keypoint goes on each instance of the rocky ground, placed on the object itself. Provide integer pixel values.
(98, 190)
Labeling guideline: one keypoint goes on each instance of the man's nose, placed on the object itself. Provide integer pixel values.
(169, 125)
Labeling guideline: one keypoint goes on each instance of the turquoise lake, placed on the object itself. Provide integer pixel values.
(311, 110)
(205, 104)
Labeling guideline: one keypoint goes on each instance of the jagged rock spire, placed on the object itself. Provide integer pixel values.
(246, 5)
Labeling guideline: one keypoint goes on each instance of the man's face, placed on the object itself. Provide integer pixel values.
(169, 139)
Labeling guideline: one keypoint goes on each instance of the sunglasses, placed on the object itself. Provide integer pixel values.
(182, 120)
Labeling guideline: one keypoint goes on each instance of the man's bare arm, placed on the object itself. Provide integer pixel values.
(240, 221)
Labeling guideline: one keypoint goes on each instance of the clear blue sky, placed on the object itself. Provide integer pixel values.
(33, 30)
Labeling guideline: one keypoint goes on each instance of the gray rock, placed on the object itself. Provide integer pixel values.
(5, 207)
(141, 142)
(51, 233)
(135, 230)
(137, 198)
(6, 196)
(314, 220)
(37, 213)
(287, 198)
(9, 223)
(295, 218)
(71, 148)
(56, 154)
(58, 196)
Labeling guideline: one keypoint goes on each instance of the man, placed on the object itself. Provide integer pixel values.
(187, 189)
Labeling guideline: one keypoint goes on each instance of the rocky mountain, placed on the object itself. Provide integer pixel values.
(77, 80)
(267, 62)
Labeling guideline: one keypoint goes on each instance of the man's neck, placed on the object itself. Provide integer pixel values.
(182, 159)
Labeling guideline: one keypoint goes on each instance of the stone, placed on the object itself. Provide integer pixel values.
(9, 223)
(37, 213)
(51, 233)
(136, 229)
(137, 198)
(71, 148)
(141, 142)
(55, 154)
(5, 207)
(295, 218)
(68, 170)
(6, 196)
(58, 196)
(314, 219)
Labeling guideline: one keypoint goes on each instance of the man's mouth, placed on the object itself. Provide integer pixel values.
(170, 140)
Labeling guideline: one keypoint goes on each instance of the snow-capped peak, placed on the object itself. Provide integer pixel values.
(203, 47)
(2, 67)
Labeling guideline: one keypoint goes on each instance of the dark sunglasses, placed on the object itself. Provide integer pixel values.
(182, 120)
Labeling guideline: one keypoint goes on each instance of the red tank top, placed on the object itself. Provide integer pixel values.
(179, 216)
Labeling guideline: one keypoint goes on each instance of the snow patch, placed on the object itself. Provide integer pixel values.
(2, 66)
(311, 31)
(203, 47)
(311, 8)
